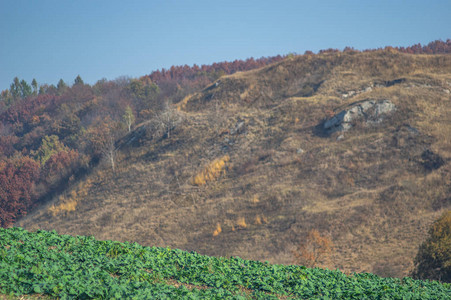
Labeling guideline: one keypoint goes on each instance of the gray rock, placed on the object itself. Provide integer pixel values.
(382, 108)
(412, 130)
(239, 128)
(369, 111)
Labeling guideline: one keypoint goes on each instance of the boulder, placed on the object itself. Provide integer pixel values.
(368, 111)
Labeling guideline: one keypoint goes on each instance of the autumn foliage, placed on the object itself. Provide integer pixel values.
(313, 249)
(433, 260)
(17, 178)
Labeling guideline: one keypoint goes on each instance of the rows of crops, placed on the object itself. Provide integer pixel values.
(69, 267)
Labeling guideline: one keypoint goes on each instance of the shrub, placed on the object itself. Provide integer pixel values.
(313, 249)
(212, 171)
(433, 260)
(218, 230)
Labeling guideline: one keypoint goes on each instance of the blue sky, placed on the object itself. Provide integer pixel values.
(53, 39)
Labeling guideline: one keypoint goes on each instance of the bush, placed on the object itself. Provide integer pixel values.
(433, 260)
(313, 249)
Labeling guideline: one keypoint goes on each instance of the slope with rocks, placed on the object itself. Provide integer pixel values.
(247, 167)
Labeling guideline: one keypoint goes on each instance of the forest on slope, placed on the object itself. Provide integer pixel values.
(51, 134)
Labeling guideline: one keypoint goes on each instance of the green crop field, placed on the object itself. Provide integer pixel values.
(47, 265)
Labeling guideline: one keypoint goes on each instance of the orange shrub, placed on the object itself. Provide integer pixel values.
(241, 222)
(218, 230)
(212, 171)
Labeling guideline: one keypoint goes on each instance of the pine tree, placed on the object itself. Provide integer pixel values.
(78, 81)
(61, 87)
(34, 84)
(25, 89)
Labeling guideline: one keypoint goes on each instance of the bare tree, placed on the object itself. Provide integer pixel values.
(166, 121)
(103, 139)
(109, 151)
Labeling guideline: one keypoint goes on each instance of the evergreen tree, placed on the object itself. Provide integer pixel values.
(25, 89)
(78, 81)
(15, 88)
(34, 84)
(61, 87)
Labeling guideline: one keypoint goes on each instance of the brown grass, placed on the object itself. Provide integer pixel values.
(65, 206)
(68, 203)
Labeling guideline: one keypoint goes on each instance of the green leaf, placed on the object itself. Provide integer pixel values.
(37, 289)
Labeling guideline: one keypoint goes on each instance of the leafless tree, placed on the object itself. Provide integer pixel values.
(109, 150)
(103, 139)
(166, 121)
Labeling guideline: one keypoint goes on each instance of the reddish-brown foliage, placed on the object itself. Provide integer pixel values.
(7, 145)
(183, 73)
(25, 110)
(313, 249)
(58, 166)
(435, 47)
(17, 178)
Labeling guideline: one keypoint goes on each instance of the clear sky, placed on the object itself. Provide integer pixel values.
(53, 39)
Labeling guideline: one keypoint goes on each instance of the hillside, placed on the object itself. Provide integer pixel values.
(51, 135)
(44, 264)
(246, 167)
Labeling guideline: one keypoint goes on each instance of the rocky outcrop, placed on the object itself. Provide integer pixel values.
(368, 111)
(352, 93)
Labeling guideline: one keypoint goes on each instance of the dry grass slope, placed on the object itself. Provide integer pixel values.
(267, 175)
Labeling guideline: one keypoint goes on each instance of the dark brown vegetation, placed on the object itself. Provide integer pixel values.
(433, 260)
(240, 166)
